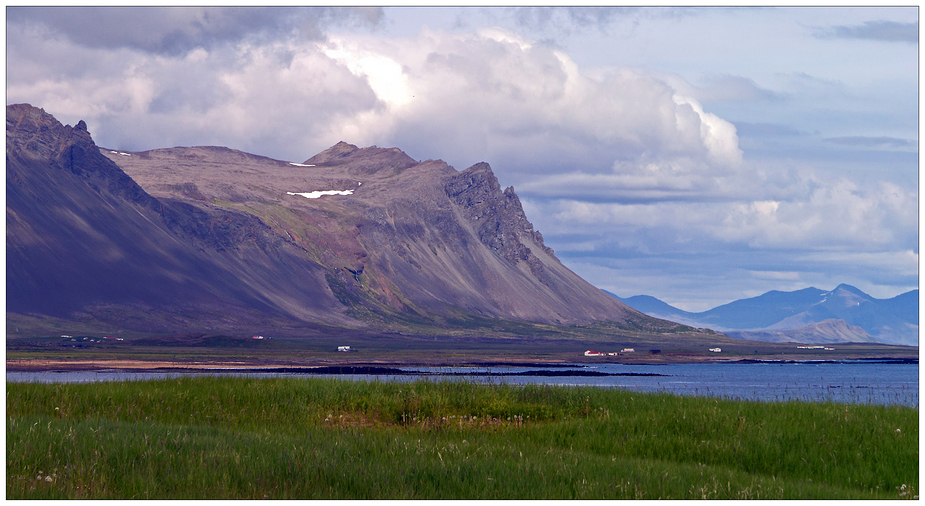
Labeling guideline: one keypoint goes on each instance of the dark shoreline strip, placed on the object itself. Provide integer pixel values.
(390, 371)
(852, 361)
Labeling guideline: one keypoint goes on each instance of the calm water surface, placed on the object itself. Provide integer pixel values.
(847, 382)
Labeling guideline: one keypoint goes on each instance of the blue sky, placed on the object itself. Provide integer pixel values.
(699, 155)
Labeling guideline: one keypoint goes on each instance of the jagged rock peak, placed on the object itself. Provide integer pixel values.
(20, 113)
(17, 112)
(482, 170)
(480, 167)
(497, 216)
(478, 183)
(35, 133)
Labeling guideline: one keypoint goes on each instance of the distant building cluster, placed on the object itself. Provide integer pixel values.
(80, 341)
(805, 347)
(592, 353)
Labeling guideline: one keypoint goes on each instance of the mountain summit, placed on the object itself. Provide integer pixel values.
(211, 236)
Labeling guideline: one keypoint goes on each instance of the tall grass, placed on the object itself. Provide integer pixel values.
(316, 438)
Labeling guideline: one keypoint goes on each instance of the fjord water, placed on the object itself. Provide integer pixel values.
(882, 383)
(842, 382)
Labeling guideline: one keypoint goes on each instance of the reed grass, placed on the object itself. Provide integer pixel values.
(279, 438)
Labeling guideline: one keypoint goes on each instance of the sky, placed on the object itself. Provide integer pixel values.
(699, 155)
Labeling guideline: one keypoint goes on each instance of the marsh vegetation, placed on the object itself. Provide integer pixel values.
(317, 438)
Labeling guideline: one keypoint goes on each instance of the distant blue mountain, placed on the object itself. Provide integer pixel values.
(762, 311)
(893, 320)
(648, 304)
(906, 306)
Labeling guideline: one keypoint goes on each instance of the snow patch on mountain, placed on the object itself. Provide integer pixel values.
(319, 194)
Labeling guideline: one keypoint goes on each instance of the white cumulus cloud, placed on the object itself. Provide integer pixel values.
(486, 95)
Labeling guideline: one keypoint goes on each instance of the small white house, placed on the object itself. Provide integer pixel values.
(627, 350)
(343, 348)
(716, 350)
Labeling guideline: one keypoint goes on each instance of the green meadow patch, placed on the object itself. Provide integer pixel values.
(316, 438)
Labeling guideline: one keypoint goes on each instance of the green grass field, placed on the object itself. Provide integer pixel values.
(241, 438)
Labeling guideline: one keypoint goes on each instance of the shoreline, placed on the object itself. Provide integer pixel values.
(309, 366)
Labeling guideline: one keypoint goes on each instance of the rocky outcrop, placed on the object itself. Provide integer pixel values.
(498, 217)
(35, 137)
(363, 162)
(334, 155)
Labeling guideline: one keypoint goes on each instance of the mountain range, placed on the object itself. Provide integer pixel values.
(810, 315)
(214, 238)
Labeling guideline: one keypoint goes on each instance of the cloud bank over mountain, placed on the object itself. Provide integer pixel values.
(640, 146)
(486, 91)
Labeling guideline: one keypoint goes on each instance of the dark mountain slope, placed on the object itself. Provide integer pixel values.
(83, 237)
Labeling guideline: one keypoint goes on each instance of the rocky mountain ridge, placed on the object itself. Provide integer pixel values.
(210, 237)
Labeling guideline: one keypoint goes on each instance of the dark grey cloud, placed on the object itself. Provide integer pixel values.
(606, 19)
(540, 17)
(176, 30)
(884, 31)
(553, 23)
